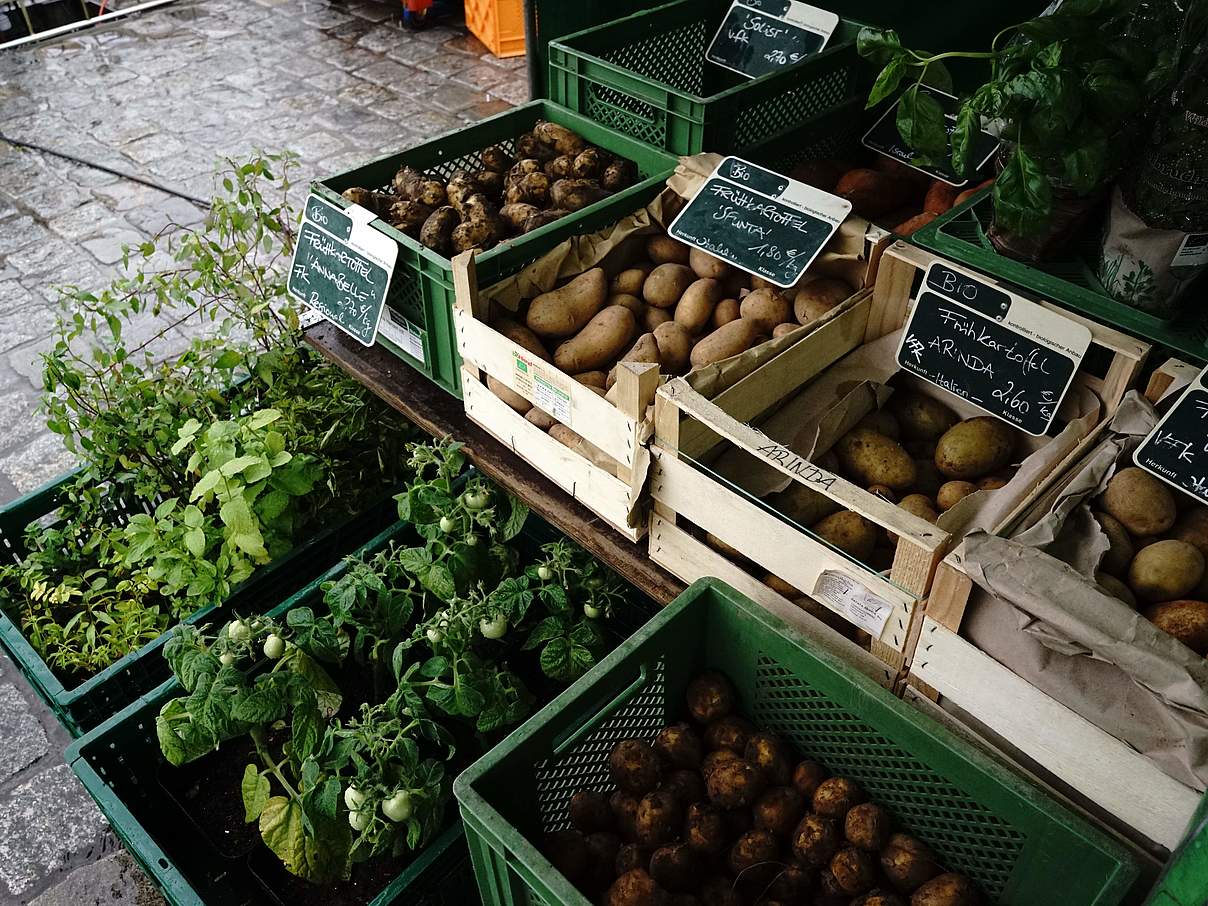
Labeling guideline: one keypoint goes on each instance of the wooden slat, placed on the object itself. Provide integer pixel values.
(1095, 763)
(437, 413)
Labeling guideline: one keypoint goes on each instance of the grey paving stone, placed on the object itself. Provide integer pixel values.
(114, 879)
(108, 248)
(24, 739)
(86, 221)
(29, 467)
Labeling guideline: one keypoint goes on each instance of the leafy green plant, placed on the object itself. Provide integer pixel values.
(1067, 91)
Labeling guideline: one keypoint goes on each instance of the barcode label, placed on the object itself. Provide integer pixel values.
(403, 334)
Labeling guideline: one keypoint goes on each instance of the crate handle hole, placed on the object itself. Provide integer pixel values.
(572, 737)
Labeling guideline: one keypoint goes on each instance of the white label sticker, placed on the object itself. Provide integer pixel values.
(848, 597)
(540, 388)
(1193, 251)
(403, 334)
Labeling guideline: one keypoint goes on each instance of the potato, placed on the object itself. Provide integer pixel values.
(405, 180)
(565, 311)
(634, 766)
(974, 447)
(562, 139)
(734, 784)
(694, 310)
(437, 231)
(705, 265)
(816, 840)
(730, 732)
(666, 285)
(497, 159)
(947, 890)
(619, 175)
(872, 193)
(532, 189)
(779, 810)
(567, 852)
(679, 746)
(879, 898)
(676, 867)
(819, 173)
(529, 146)
(808, 776)
(885, 493)
(602, 850)
(665, 250)
(728, 340)
(430, 192)
(477, 233)
(928, 479)
(867, 826)
(1165, 570)
(727, 310)
(872, 458)
(705, 828)
(1140, 502)
(1116, 588)
(920, 505)
(656, 317)
(633, 303)
(767, 308)
(645, 349)
(600, 341)
(912, 225)
(818, 297)
(592, 379)
(721, 547)
(1187, 621)
(849, 532)
(781, 587)
(753, 857)
(659, 818)
(542, 420)
(576, 194)
(783, 330)
(939, 197)
(710, 696)
(855, 870)
(829, 892)
(675, 347)
(770, 755)
(922, 418)
(686, 785)
(953, 492)
(492, 183)
(521, 169)
(543, 218)
(803, 504)
(589, 811)
(992, 482)
(883, 422)
(624, 808)
(629, 857)
(630, 280)
(908, 863)
(835, 797)
(517, 215)
(589, 163)
(409, 217)
(715, 758)
(508, 395)
(460, 187)
(1192, 527)
(719, 891)
(635, 888)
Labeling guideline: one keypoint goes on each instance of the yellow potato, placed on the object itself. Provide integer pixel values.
(783, 330)
(1192, 527)
(884, 492)
(1165, 570)
(928, 479)
(953, 492)
(767, 308)
(666, 284)
(705, 265)
(592, 378)
(727, 310)
(1120, 551)
(975, 447)
(849, 532)
(803, 504)
(633, 303)
(599, 342)
(1140, 502)
(695, 307)
(646, 349)
(730, 553)
(883, 422)
(653, 317)
(729, 339)
(665, 250)
(1116, 588)
(1187, 621)
(870, 457)
(508, 395)
(566, 311)
(521, 336)
(629, 282)
(675, 347)
(919, 505)
(921, 417)
(542, 420)
(818, 297)
(992, 482)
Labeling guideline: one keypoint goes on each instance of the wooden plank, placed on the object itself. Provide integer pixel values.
(690, 559)
(1163, 378)
(437, 413)
(775, 545)
(601, 490)
(1095, 763)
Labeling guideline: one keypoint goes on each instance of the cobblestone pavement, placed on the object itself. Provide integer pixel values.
(163, 96)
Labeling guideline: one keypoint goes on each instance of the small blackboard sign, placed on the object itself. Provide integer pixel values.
(1011, 357)
(1176, 450)
(764, 223)
(761, 36)
(342, 267)
(884, 138)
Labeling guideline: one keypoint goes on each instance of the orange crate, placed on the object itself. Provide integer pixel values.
(499, 24)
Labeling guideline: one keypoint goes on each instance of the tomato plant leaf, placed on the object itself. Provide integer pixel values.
(517, 514)
(556, 661)
(318, 860)
(256, 791)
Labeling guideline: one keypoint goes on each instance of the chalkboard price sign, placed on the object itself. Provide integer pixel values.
(1176, 451)
(761, 36)
(1011, 357)
(884, 138)
(762, 222)
(342, 267)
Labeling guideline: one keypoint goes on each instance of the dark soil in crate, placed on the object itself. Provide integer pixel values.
(207, 790)
(367, 881)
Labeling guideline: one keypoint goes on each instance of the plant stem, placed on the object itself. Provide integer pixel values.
(257, 734)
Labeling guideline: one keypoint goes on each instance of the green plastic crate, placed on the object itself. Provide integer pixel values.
(646, 76)
(83, 706)
(962, 235)
(1021, 846)
(1185, 880)
(422, 289)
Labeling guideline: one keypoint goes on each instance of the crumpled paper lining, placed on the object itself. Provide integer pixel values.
(1083, 647)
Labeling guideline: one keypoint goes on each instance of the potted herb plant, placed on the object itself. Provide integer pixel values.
(1066, 92)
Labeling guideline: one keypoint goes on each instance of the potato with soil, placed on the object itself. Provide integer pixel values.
(515, 216)
(767, 308)
(409, 217)
(521, 169)
(635, 766)
(849, 532)
(867, 826)
(855, 870)
(529, 147)
(1140, 502)
(779, 810)
(1165, 570)
(567, 852)
(666, 285)
(600, 341)
(879, 898)
(719, 891)
(730, 732)
(602, 850)
(676, 867)
(695, 307)
(908, 863)
(675, 347)
(532, 189)
(1187, 621)
(635, 888)
(624, 808)
(562, 139)
(710, 697)
(589, 811)
(437, 231)
(679, 745)
(948, 889)
(705, 828)
(816, 840)
(659, 819)
(576, 194)
(835, 797)
(565, 311)
(430, 192)
(734, 784)
(754, 856)
(629, 857)
(543, 218)
(589, 163)
(975, 447)
(771, 756)
(497, 159)
(818, 297)
(461, 187)
(872, 458)
(792, 884)
(479, 233)
(807, 777)
(685, 784)
(619, 175)
(728, 340)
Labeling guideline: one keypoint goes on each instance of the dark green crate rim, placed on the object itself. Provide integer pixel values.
(1059, 843)
(72, 707)
(419, 270)
(960, 234)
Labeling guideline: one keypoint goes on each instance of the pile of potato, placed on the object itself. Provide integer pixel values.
(718, 813)
(1156, 560)
(554, 173)
(679, 308)
(886, 192)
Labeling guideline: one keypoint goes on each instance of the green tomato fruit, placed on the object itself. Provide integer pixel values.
(274, 646)
(353, 798)
(227, 658)
(471, 541)
(476, 500)
(447, 524)
(544, 573)
(398, 807)
(435, 636)
(238, 631)
(591, 611)
(495, 628)
(360, 820)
